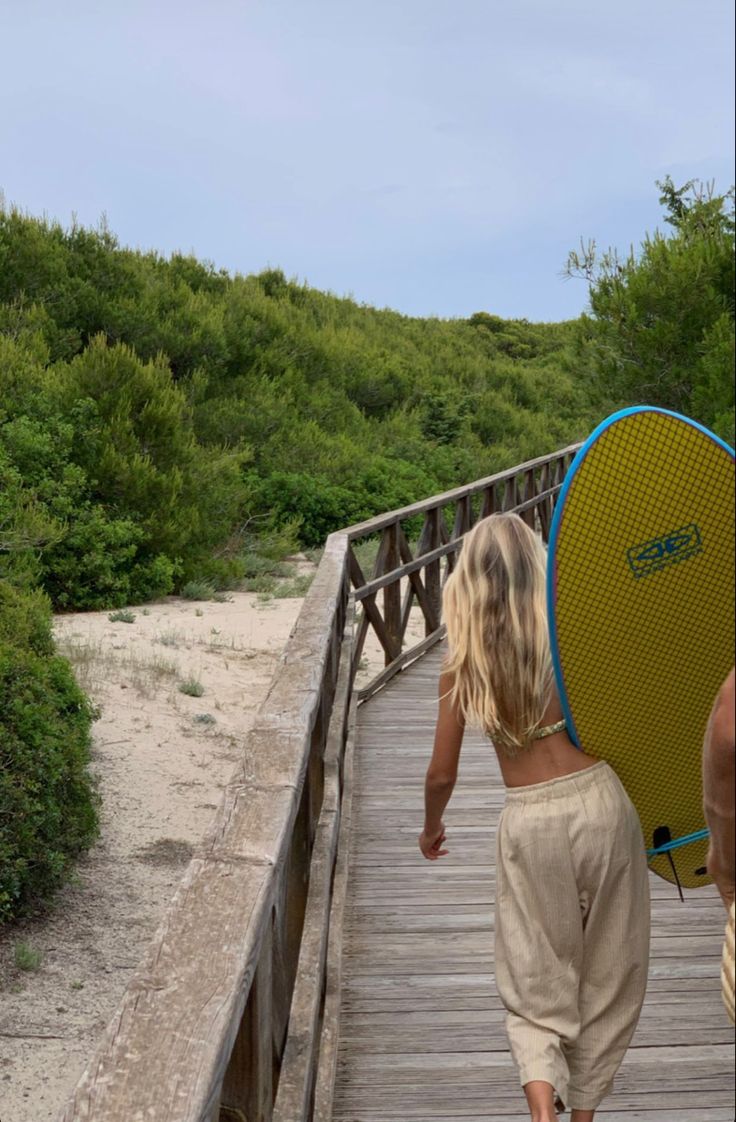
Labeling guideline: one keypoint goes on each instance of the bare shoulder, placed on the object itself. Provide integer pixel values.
(446, 684)
(719, 745)
(724, 717)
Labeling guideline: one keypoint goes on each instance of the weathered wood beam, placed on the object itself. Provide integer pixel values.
(370, 588)
(368, 601)
(373, 525)
(417, 586)
(392, 593)
(327, 1059)
(406, 657)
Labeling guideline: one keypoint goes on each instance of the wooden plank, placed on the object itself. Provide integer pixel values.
(327, 1062)
(248, 1080)
(443, 1110)
(299, 1061)
(432, 576)
(392, 593)
(404, 659)
(371, 587)
(188, 980)
(369, 606)
(535, 501)
(422, 1034)
(431, 618)
(402, 514)
(167, 1050)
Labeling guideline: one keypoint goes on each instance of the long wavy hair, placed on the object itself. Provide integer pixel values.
(494, 605)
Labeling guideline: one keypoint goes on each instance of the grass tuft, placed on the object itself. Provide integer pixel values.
(260, 584)
(192, 687)
(169, 638)
(26, 957)
(123, 615)
(198, 590)
(295, 588)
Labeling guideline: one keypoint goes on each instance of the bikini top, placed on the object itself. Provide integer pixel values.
(548, 730)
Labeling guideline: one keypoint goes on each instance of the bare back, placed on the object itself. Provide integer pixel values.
(550, 758)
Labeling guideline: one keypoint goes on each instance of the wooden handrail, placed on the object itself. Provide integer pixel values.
(226, 1016)
(381, 521)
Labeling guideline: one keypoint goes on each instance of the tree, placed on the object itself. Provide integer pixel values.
(662, 323)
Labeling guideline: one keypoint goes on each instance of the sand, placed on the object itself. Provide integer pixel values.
(162, 758)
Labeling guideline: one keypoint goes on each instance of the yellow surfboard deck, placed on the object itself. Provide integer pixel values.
(641, 599)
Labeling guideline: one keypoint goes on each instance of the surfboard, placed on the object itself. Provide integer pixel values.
(641, 608)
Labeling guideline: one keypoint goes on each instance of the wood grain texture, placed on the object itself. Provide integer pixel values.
(299, 1062)
(421, 1033)
(328, 1048)
(236, 916)
(373, 525)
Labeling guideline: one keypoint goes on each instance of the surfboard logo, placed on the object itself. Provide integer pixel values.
(660, 553)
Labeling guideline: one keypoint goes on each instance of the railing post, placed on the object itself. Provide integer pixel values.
(248, 1086)
(544, 509)
(463, 517)
(392, 592)
(432, 579)
(490, 502)
(529, 493)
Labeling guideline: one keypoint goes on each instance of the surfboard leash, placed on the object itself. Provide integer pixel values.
(665, 844)
(676, 843)
(662, 838)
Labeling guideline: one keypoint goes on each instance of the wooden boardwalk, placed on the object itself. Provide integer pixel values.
(421, 1025)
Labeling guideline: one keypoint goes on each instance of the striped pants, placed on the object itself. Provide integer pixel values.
(572, 930)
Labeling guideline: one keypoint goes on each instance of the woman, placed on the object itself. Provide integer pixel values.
(572, 899)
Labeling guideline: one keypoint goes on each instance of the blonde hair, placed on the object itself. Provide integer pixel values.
(494, 605)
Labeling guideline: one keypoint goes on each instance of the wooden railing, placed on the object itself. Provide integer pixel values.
(232, 1014)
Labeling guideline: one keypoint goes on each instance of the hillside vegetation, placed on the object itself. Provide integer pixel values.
(152, 408)
(163, 422)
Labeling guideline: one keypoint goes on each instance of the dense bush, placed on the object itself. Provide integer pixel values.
(47, 803)
(150, 408)
(662, 328)
(166, 426)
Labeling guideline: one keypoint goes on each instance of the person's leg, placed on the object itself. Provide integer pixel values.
(540, 1097)
(616, 947)
(539, 949)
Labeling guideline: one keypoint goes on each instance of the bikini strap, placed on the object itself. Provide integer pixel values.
(548, 730)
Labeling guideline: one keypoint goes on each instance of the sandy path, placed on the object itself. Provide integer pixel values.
(162, 758)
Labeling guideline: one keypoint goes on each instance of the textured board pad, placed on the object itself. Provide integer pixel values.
(641, 598)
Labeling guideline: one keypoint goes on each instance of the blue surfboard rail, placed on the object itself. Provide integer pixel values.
(686, 839)
(582, 452)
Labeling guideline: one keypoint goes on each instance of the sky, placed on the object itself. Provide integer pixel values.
(440, 157)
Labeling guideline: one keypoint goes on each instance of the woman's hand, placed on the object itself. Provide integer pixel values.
(430, 842)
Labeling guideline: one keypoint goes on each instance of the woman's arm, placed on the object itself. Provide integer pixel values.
(442, 771)
(719, 771)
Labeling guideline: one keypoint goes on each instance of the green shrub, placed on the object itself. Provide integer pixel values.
(295, 588)
(198, 590)
(315, 504)
(25, 620)
(263, 583)
(47, 802)
(27, 957)
(256, 565)
(123, 615)
(662, 327)
(192, 687)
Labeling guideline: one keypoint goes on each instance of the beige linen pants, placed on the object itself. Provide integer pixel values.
(572, 930)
